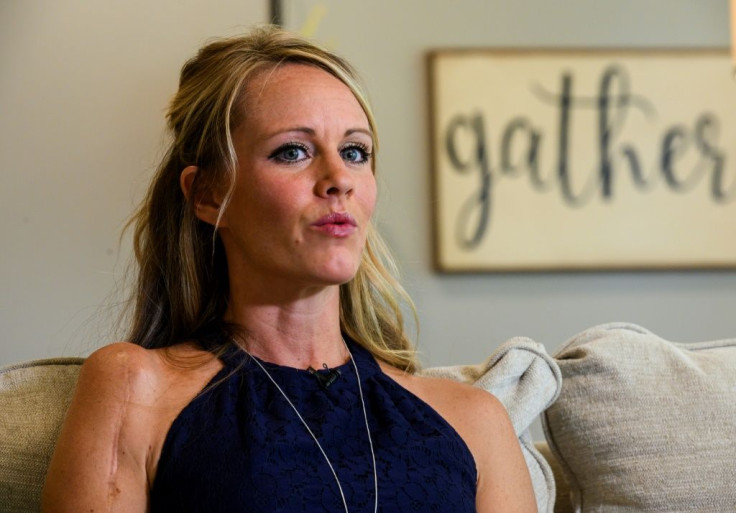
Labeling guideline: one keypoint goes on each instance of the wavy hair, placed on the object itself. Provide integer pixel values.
(182, 288)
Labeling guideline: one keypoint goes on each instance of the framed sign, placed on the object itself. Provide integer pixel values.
(583, 160)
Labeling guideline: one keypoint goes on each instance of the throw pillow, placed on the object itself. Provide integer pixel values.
(643, 424)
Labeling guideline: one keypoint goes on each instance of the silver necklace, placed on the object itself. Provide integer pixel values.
(324, 454)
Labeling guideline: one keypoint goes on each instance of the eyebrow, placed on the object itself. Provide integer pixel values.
(311, 131)
(359, 131)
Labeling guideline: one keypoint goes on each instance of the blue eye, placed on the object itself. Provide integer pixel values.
(355, 154)
(290, 153)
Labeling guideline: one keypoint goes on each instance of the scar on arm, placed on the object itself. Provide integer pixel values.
(113, 489)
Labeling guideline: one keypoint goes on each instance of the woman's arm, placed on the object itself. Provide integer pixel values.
(504, 483)
(99, 464)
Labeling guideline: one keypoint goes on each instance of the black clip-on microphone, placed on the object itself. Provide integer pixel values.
(324, 379)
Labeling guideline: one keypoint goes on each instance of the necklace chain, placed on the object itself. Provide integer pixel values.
(324, 454)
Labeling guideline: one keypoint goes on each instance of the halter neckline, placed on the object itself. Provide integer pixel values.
(235, 356)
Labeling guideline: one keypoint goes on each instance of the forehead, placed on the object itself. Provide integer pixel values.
(292, 89)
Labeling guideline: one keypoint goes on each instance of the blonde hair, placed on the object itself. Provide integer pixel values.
(182, 285)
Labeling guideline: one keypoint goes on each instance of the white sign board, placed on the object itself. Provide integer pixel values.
(571, 160)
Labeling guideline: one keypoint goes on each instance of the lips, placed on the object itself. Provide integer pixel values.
(336, 224)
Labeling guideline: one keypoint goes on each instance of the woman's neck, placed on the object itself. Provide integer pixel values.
(298, 330)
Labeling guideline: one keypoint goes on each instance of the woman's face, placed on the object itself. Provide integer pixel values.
(305, 190)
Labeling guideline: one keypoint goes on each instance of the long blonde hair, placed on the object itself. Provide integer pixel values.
(182, 284)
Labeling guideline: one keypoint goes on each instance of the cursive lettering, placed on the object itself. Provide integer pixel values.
(469, 152)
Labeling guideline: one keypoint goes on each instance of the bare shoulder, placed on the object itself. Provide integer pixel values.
(144, 388)
(465, 407)
(133, 372)
(118, 369)
(124, 403)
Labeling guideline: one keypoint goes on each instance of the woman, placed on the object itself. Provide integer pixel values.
(268, 368)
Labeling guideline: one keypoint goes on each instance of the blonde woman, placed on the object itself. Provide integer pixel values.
(267, 367)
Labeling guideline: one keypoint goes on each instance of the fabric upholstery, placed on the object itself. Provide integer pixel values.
(34, 397)
(643, 424)
(526, 380)
(562, 491)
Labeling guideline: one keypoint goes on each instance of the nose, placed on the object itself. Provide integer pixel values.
(335, 179)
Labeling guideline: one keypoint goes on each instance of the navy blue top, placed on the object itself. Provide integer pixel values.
(239, 446)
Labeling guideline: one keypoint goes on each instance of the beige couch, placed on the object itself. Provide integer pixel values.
(638, 423)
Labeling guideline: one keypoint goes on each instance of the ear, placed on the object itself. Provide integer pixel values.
(206, 203)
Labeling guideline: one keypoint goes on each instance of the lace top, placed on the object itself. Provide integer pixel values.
(239, 446)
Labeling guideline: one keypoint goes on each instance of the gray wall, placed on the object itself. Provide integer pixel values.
(83, 88)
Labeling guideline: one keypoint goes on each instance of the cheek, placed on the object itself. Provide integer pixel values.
(267, 202)
(370, 193)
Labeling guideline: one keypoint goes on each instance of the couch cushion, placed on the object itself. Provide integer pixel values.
(643, 424)
(34, 397)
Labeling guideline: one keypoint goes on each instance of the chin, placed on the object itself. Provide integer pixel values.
(338, 275)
